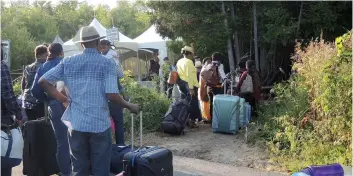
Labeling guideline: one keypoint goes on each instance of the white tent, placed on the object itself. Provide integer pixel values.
(58, 40)
(71, 48)
(150, 39)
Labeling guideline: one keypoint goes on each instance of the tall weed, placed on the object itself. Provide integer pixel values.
(310, 122)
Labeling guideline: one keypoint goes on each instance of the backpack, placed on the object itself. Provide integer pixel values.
(210, 74)
(30, 71)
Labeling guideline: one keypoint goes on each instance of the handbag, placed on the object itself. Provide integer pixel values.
(247, 85)
(11, 146)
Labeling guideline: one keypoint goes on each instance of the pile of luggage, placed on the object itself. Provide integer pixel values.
(230, 113)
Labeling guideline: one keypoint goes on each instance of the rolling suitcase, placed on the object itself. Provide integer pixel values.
(39, 152)
(147, 161)
(225, 117)
(175, 119)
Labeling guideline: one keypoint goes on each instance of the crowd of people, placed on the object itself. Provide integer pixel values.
(199, 81)
(81, 92)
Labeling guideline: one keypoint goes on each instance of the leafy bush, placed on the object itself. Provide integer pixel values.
(310, 122)
(17, 88)
(153, 104)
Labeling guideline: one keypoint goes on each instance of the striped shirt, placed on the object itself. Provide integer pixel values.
(88, 77)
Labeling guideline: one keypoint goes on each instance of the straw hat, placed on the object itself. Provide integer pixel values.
(188, 48)
(89, 33)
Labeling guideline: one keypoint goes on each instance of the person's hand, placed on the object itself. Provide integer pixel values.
(121, 173)
(134, 108)
(192, 93)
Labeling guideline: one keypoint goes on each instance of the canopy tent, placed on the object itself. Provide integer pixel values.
(150, 39)
(126, 47)
(58, 40)
(125, 43)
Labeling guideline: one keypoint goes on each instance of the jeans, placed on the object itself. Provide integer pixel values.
(116, 111)
(90, 152)
(6, 171)
(56, 110)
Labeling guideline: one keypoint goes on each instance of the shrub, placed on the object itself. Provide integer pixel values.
(310, 122)
(153, 104)
(17, 88)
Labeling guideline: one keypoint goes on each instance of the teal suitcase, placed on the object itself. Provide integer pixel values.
(225, 117)
(245, 112)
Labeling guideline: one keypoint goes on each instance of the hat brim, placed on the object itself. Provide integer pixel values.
(84, 41)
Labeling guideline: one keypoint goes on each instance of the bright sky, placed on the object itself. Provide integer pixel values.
(110, 3)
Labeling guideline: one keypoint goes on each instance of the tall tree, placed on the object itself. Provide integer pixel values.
(229, 41)
(235, 34)
(257, 61)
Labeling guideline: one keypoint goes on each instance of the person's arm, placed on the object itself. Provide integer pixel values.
(112, 92)
(191, 75)
(241, 80)
(7, 95)
(24, 81)
(221, 72)
(54, 75)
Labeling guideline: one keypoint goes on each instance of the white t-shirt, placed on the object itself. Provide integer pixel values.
(114, 56)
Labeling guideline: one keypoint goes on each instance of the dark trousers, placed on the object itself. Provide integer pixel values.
(56, 110)
(213, 91)
(116, 111)
(36, 112)
(194, 109)
(90, 152)
(6, 171)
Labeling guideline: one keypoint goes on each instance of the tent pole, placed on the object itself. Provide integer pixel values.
(138, 67)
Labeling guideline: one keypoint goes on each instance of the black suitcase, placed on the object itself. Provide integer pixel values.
(147, 161)
(39, 152)
(177, 116)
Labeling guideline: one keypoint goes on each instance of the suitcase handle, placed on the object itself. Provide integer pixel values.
(231, 87)
(132, 131)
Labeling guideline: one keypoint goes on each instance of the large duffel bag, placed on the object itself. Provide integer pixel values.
(175, 119)
(147, 161)
(225, 117)
(11, 146)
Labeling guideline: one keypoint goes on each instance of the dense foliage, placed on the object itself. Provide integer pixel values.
(29, 24)
(310, 122)
(279, 24)
(153, 104)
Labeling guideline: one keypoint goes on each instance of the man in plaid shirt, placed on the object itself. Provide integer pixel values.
(9, 106)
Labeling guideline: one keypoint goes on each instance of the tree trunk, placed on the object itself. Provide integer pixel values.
(299, 19)
(255, 38)
(230, 52)
(235, 35)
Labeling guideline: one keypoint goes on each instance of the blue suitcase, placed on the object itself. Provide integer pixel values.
(147, 161)
(225, 117)
(245, 113)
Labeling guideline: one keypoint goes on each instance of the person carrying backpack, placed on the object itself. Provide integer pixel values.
(34, 108)
(249, 86)
(56, 108)
(213, 75)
